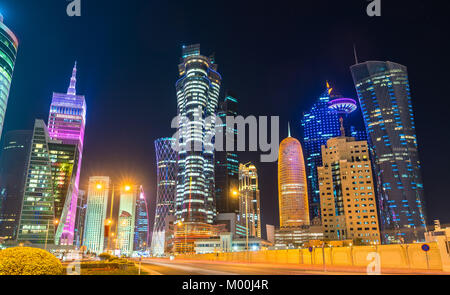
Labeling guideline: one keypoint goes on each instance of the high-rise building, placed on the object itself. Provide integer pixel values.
(347, 192)
(385, 98)
(249, 200)
(13, 169)
(8, 52)
(227, 163)
(80, 218)
(292, 184)
(127, 219)
(166, 163)
(37, 220)
(97, 205)
(141, 228)
(198, 94)
(66, 124)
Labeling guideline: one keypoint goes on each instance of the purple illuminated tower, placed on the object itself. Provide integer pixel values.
(66, 125)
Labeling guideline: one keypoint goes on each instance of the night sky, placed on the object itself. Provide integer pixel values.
(275, 57)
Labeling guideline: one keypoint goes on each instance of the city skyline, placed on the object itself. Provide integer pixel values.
(264, 191)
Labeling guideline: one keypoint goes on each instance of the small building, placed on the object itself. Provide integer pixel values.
(226, 243)
(296, 237)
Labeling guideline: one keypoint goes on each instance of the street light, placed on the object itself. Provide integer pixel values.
(55, 222)
(236, 193)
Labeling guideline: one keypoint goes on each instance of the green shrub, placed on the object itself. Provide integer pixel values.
(29, 261)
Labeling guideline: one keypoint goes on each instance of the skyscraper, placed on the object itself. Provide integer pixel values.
(198, 93)
(37, 220)
(347, 192)
(141, 229)
(249, 200)
(8, 52)
(66, 124)
(292, 184)
(166, 163)
(385, 98)
(13, 169)
(80, 218)
(127, 219)
(97, 203)
(227, 163)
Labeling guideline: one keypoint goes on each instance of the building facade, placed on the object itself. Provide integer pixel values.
(249, 200)
(197, 99)
(37, 220)
(227, 163)
(385, 98)
(13, 169)
(296, 237)
(292, 184)
(96, 211)
(80, 218)
(167, 168)
(66, 125)
(127, 219)
(8, 53)
(141, 228)
(347, 192)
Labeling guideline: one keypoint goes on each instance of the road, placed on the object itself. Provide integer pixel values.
(184, 267)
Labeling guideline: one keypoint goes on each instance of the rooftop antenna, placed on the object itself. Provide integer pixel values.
(289, 129)
(354, 52)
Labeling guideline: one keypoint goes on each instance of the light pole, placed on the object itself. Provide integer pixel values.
(55, 222)
(236, 194)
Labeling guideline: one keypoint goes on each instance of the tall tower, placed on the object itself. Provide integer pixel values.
(37, 220)
(127, 218)
(8, 52)
(292, 184)
(66, 124)
(141, 230)
(385, 98)
(13, 170)
(198, 94)
(227, 163)
(249, 199)
(166, 163)
(97, 203)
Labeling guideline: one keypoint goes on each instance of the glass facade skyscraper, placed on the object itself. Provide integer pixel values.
(13, 169)
(249, 200)
(166, 163)
(227, 163)
(8, 52)
(141, 230)
(66, 124)
(126, 219)
(197, 98)
(385, 98)
(38, 214)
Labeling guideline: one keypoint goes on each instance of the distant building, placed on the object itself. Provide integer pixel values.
(249, 200)
(166, 165)
(97, 203)
(347, 192)
(296, 237)
(292, 184)
(80, 218)
(270, 231)
(8, 53)
(141, 230)
(127, 219)
(226, 243)
(232, 223)
(385, 98)
(227, 163)
(13, 169)
(37, 220)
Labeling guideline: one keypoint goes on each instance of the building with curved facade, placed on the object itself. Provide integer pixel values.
(166, 162)
(8, 52)
(292, 184)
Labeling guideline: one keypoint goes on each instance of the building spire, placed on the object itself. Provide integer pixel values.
(289, 129)
(342, 126)
(354, 53)
(73, 81)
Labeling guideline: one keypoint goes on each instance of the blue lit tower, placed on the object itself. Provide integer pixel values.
(319, 125)
(166, 163)
(8, 52)
(385, 99)
(197, 99)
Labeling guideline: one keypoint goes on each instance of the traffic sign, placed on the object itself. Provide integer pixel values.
(310, 249)
(425, 247)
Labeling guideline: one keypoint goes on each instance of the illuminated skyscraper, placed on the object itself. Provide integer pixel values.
(292, 184)
(141, 229)
(80, 218)
(197, 93)
(227, 163)
(66, 125)
(249, 200)
(127, 218)
(13, 169)
(38, 215)
(385, 99)
(97, 203)
(8, 52)
(166, 163)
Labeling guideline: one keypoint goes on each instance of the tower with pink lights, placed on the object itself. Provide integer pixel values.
(66, 124)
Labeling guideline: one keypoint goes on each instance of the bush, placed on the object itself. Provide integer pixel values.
(29, 261)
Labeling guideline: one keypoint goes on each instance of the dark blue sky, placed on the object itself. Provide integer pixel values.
(275, 57)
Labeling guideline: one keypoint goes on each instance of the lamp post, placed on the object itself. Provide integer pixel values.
(236, 194)
(55, 222)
